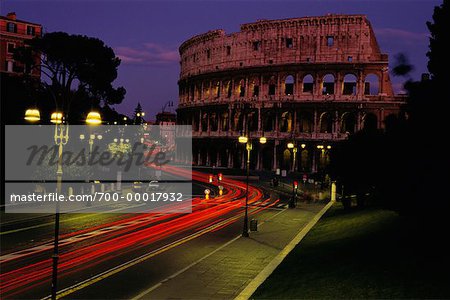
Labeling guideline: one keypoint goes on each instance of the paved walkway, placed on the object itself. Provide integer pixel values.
(224, 273)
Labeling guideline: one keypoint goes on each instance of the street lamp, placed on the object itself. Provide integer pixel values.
(291, 145)
(32, 115)
(61, 137)
(245, 140)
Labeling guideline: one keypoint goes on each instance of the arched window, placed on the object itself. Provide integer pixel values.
(328, 84)
(272, 86)
(348, 123)
(225, 120)
(305, 123)
(371, 85)
(326, 123)
(227, 88)
(308, 84)
(370, 121)
(289, 85)
(217, 89)
(349, 86)
(286, 122)
(241, 88)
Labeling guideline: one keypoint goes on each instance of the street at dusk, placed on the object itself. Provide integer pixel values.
(224, 150)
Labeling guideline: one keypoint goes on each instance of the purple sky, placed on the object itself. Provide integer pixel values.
(146, 34)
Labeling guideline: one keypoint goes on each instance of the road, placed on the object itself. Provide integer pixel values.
(105, 255)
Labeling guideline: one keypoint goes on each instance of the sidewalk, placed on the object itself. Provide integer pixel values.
(228, 270)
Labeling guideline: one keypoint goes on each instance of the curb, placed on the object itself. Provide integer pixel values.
(268, 270)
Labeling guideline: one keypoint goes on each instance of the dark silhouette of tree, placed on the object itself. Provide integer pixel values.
(77, 72)
(402, 65)
(406, 166)
(438, 63)
(138, 118)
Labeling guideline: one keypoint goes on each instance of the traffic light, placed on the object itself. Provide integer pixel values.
(295, 184)
(210, 179)
(219, 176)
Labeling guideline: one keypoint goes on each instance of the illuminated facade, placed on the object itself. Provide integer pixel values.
(311, 81)
(13, 34)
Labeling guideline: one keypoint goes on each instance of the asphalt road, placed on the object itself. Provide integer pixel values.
(118, 255)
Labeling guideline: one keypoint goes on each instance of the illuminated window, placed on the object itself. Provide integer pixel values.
(330, 41)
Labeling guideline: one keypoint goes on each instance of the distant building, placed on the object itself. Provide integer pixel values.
(166, 122)
(13, 34)
(308, 81)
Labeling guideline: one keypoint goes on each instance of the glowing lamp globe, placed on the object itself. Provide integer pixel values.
(32, 115)
(243, 139)
(93, 118)
(56, 118)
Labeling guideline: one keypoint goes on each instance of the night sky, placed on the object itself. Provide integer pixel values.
(146, 34)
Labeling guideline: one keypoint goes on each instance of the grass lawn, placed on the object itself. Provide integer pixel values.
(368, 253)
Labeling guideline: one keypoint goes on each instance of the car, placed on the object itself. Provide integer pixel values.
(137, 186)
(153, 185)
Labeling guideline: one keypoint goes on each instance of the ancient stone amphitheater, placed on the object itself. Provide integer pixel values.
(311, 81)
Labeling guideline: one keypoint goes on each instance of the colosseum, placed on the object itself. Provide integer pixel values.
(310, 81)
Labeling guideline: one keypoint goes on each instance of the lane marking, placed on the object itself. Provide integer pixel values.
(142, 294)
(276, 261)
(135, 261)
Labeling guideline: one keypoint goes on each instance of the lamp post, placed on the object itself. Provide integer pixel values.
(291, 145)
(61, 137)
(248, 146)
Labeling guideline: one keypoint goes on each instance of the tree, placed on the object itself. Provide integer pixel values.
(78, 71)
(138, 114)
(438, 63)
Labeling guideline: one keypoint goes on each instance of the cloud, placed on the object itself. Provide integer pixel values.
(400, 35)
(147, 54)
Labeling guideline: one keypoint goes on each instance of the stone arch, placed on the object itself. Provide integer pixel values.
(304, 160)
(227, 88)
(286, 159)
(349, 84)
(305, 122)
(216, 89)
(198, 89)
(348, 123)
(224, 121)
(236, 122)
(371, 84)
(254, 86)
(204, 121)
(289, 85)
(370, 121)
(240, 88)
(286, 121)
(325, 123)
(272, 88)
(213, 122)
(268, 121)
(205, 91)
(267, 158)
(252, 120)
(308, 84)
(328, 82)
